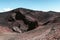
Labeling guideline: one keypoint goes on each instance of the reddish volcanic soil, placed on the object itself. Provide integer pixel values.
(26, 24)
(4, 29)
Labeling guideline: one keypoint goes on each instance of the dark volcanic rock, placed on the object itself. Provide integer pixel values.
(26, 24)
(23, 20)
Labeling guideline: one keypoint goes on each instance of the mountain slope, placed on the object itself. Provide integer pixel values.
(26, 22)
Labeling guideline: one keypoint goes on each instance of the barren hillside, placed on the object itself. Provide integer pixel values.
(26, 24)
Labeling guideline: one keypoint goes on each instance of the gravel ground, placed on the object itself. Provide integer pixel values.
(48, 32)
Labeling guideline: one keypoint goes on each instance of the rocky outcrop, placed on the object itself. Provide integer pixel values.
(37, 24)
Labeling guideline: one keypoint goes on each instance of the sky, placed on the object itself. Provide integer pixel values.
(41, 5)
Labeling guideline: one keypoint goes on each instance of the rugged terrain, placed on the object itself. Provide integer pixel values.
(26, 24)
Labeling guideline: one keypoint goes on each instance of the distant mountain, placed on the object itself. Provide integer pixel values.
(22, 19)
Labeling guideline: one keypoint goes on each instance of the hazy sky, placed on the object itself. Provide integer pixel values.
(44, 5)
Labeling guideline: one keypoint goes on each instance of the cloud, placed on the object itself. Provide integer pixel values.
(5, 9)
